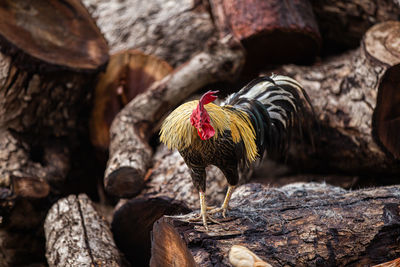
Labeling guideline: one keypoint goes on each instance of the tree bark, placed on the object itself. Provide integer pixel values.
(76, 235)
(50, 54)
(356, 98)
(173, 30)
(344, 23)
(272, 32)
(130, 154)
(295, 225)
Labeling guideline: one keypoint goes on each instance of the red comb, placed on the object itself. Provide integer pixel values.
(208, 97)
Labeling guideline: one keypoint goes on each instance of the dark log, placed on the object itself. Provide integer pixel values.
(393, 263)
(173, 30)
(133, 221)
(356, 97)
(128, 74)
(271, 31)
(130, 154)
(21, 234)
(343, 23)
(295, 225)
(76, 235)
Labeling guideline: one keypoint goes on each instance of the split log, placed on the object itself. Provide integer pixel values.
(76, 235)
(295, 225)
(344, 23)
(128, 74)
(272, 32)
(45, 76)
(173, 30)
(130, 154)
(356, 97)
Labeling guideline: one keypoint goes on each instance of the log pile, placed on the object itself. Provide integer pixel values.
(74, 119)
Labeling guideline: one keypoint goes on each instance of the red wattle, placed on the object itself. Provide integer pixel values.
(207, 131)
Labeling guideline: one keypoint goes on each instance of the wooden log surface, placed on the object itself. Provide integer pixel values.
(76, 235)
(50, 54)
(130, 154)
(128, 74)
(356, 98)
(294, 225)
(344, 23)
(272, 32)
(173, 30)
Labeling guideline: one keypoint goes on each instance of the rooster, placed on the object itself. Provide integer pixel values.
(255, 121)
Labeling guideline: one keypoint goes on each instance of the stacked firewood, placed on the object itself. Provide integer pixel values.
(85, 86)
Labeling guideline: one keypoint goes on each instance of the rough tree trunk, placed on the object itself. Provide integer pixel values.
(130, 154)
(76, 235)
(173, 30)
(50, 54)
(356, 97)
(271, 31)
(45, 78)
(295, 225)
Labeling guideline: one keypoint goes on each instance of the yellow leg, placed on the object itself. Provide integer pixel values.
(225, 205)
(203, 209)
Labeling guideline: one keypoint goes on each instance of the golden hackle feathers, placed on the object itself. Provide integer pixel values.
(178, 133)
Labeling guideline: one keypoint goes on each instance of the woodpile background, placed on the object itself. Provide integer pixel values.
(84, 86)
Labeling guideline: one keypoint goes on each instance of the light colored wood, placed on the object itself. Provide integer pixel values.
(76, 235)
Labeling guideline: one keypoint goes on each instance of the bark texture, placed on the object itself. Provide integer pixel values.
(130, 154)
(295, 225)
(76, 235)
(45, 80)
(271, 31)
(344, 23)
(356, 98)
(172, 30)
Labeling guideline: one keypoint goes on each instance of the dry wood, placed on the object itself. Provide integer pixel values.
(128, 74)
(344, 23)
(173, 30)
(130, 155)
(271, 31)
(44, 69)
(76, 235)
(50, 53)
(296, 225)
(356, 98)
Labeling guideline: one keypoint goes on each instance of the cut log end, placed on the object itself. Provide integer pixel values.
(73, 40)
(381, 44)
(140, 214)
(168, 248)
(386, 119)
(124, 182)
(128, 74)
